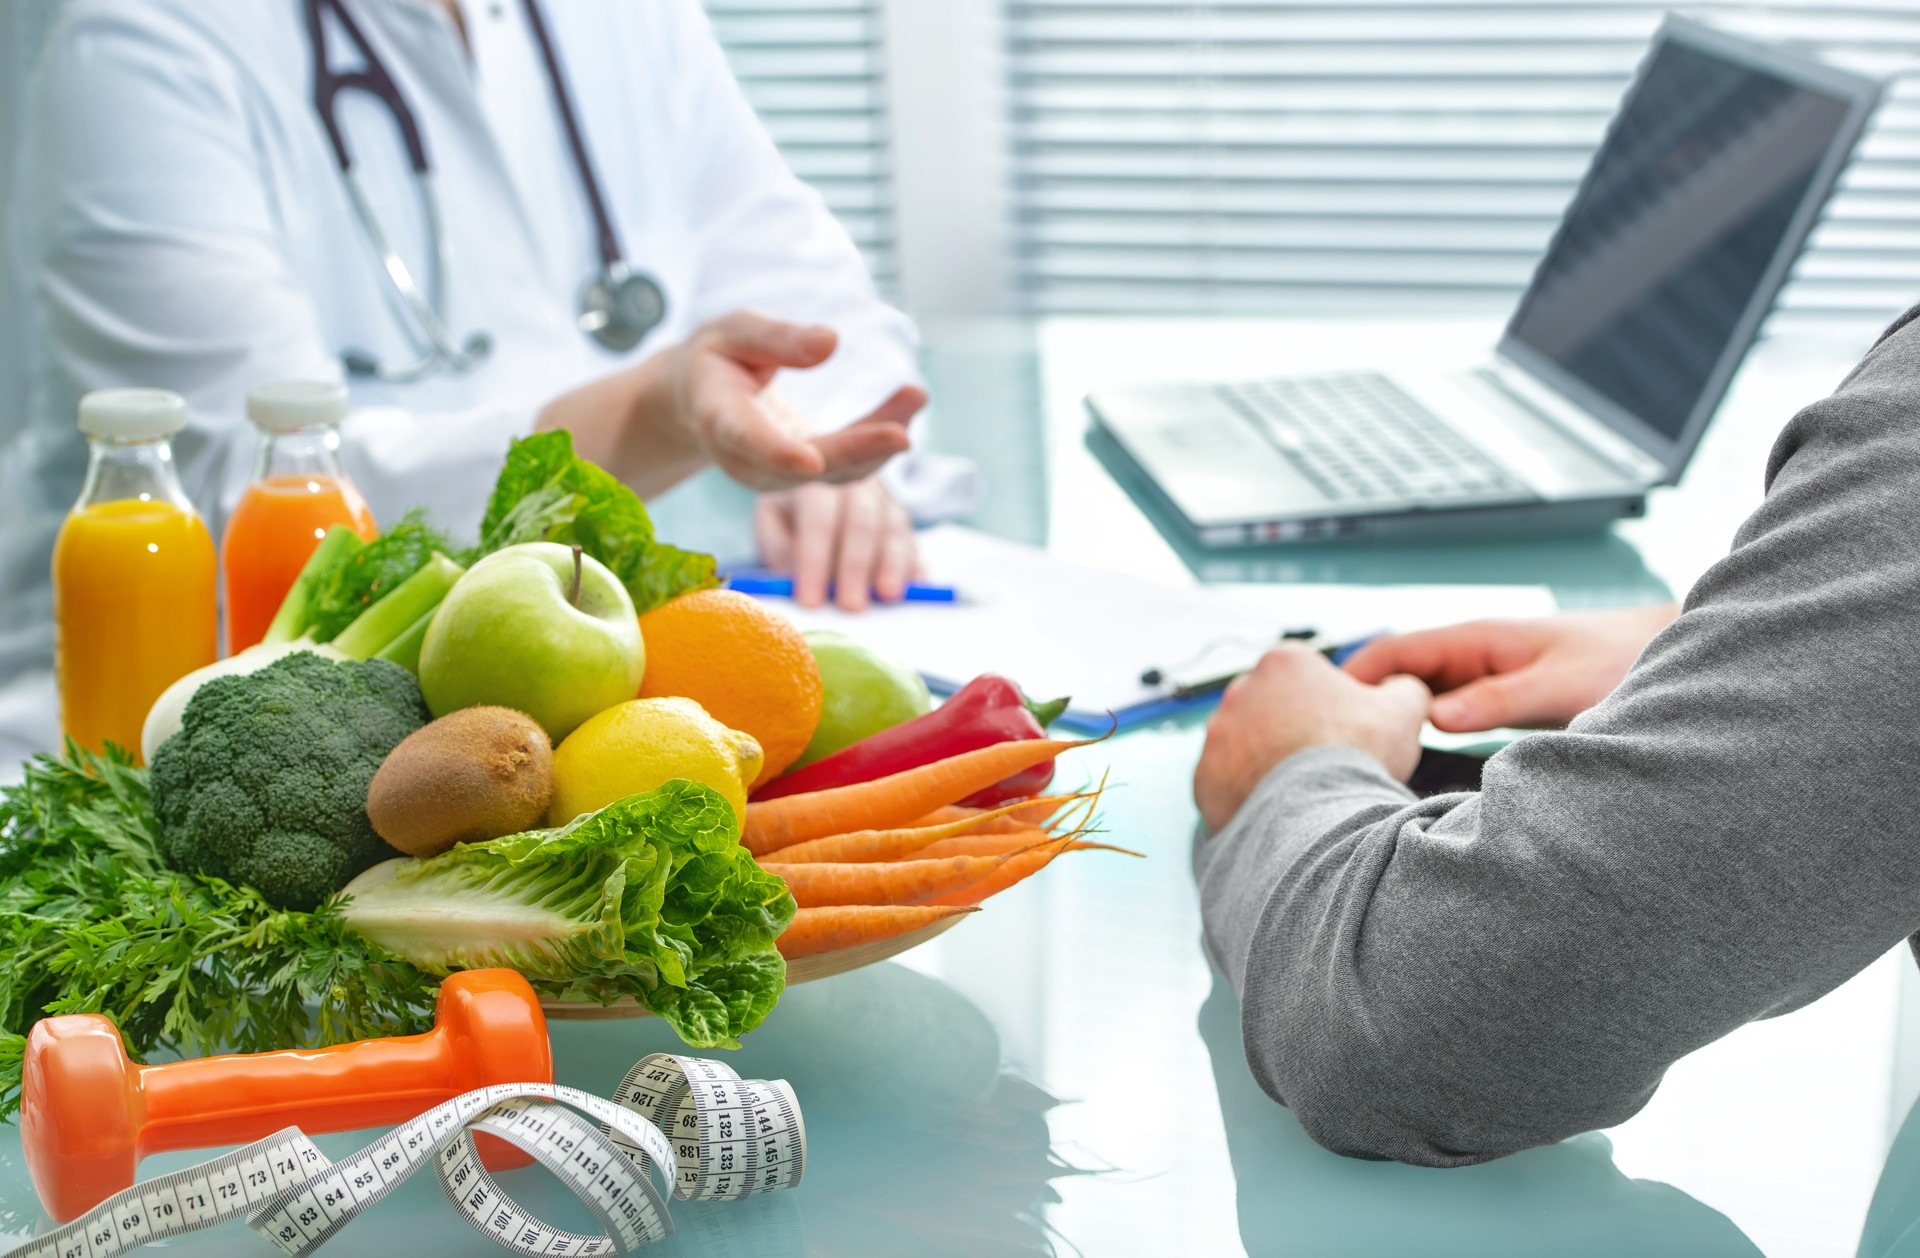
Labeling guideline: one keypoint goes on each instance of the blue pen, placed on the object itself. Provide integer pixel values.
(1339, 654)
(769, 583)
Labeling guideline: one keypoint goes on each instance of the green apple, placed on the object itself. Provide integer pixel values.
(540, 628)
(865, 693)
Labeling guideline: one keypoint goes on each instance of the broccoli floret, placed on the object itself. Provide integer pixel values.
(266, 782)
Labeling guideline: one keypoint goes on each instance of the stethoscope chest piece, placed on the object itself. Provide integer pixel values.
(620, 306)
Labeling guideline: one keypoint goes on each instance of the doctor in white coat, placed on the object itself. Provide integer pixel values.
(178, 217)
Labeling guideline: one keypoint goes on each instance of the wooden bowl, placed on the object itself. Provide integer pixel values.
(805, 970)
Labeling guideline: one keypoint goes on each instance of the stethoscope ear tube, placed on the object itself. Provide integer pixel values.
(441, 345)
(372, 79)
(617, 308)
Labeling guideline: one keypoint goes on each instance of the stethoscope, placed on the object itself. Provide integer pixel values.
(618, 306)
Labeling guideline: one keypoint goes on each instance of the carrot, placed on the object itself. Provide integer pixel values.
(826, 929)
(949, 813)
(984, 842)
(1065, 813)
(1006, 845)
(882, 882)
(875, 845)
(1016, 868)
(862, 847)
(1029, 814)
(893, 801)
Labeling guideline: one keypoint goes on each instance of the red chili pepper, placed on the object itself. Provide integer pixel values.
(987, 710)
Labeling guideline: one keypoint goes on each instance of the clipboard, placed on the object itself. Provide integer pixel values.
(1058, 629)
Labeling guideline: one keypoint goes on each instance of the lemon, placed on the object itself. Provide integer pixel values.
(637, 745)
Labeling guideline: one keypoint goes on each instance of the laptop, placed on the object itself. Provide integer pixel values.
(1686, 224)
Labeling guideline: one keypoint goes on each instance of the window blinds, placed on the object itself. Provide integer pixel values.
(1409, 155)
(814, 71)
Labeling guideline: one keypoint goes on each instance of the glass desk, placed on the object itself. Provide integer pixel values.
(1063, 1073)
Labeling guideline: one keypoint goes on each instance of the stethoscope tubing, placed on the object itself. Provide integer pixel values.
(618, 307)
(373, 80)
(611, 256)
(425, 308)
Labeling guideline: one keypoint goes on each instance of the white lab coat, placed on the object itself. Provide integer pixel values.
(175, 218)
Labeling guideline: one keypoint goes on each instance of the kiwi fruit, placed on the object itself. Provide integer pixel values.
(474, 774)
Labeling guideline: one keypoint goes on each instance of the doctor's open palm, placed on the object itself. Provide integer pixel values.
(707, 400)
(710, 400)
(724, 372)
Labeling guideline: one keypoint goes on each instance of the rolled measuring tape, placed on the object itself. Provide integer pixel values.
(704, 1132)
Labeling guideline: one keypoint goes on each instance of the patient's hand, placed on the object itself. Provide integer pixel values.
(1529, 673)
(1295, 699)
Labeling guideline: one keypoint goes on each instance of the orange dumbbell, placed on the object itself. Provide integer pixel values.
(88, 1115)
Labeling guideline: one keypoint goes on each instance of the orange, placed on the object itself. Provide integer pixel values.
(740, 660)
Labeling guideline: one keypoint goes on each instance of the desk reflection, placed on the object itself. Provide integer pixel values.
(1568, 1199)
(917, 1141)
(1893, 1220)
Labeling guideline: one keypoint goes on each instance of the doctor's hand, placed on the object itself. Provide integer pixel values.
(854, 536)
(719, 381)
(1490, 674)
(706, 402)
(1294, 699)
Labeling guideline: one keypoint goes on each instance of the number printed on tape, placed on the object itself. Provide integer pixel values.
(731, 1138)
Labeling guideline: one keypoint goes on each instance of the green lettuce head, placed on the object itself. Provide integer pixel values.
(651, 897)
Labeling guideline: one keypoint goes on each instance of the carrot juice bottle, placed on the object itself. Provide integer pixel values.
(133, 572)
(298, 492)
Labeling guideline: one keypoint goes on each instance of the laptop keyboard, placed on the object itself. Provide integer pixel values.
(1360, 438)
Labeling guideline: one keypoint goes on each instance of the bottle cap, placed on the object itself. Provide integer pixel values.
(291, 405)
(132, 414)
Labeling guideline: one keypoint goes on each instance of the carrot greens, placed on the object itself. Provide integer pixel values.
(652, 897)
(92, 921)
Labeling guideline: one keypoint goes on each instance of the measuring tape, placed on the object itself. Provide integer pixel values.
(708, 1135)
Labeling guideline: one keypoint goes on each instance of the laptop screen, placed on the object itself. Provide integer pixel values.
(1674, 229)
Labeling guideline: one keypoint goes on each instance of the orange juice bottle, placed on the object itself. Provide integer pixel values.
(133, 572)
(298, 493)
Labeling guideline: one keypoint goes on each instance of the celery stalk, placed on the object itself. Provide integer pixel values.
(290, 622)
(390, 618)
(405, 649)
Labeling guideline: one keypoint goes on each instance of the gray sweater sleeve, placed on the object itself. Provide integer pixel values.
(1728, 836)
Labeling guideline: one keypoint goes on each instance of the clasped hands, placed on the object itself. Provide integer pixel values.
(1488, 674)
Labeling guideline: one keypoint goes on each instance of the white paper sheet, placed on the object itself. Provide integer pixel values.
(1061, 629)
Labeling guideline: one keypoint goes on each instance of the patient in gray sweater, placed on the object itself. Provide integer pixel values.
(1726, 836)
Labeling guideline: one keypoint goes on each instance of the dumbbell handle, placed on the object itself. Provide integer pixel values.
(88, 1114)
(238, 1099)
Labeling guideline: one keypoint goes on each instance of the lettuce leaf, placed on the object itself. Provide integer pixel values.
(738, 994)
(546, 493)
(650, 897)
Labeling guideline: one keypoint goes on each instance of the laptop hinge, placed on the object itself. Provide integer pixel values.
(1604, 443)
